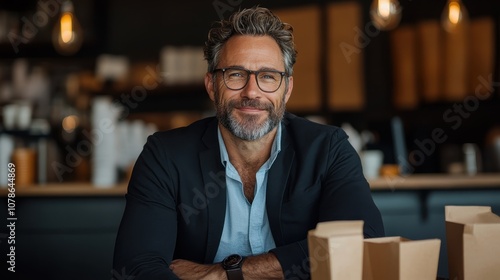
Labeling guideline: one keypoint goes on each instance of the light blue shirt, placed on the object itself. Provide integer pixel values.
(246, 226)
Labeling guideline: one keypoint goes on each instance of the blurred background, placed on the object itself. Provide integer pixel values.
(415, 84)
(429, 66)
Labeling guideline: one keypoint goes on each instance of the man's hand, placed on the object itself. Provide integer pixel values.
(187, 270)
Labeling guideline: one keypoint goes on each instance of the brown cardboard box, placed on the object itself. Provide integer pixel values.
(398, 258)
(473, 241)
(336, 250)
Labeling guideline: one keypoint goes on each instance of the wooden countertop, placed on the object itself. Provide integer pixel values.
(67, 189)
(412, 182)
(436, 181)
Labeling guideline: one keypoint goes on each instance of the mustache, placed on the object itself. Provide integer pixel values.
(252, 103)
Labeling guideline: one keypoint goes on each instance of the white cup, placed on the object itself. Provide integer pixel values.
(24, 116)
(371, 160)
(9, 116)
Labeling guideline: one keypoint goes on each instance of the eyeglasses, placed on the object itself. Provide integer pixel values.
(237, 78)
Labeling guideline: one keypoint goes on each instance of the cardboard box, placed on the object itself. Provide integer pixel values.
(473, 241)
(336, 250)
(398, 258)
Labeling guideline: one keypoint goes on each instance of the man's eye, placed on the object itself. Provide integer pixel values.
(268, 76)
(237, 74)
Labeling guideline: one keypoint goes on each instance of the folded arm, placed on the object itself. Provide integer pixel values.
(261, 267)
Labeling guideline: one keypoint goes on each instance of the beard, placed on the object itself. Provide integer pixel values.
(249, 128)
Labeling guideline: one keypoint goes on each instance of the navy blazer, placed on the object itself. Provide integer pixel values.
(176, 197)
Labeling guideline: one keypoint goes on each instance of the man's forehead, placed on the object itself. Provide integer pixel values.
(241, 49)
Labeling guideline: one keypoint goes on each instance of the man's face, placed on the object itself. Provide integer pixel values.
(249, 113)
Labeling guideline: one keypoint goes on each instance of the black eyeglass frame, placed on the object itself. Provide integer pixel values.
(250, 72)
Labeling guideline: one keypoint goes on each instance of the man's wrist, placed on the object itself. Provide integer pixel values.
(232, 265)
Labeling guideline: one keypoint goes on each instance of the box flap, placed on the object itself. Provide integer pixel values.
(336, 250)
(387, 239)
(467, 214)
(338, 228)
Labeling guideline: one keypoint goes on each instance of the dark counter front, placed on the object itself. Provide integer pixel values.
(63, 232)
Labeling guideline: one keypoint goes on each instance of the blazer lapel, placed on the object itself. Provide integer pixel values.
(214, 180)
(276, 184)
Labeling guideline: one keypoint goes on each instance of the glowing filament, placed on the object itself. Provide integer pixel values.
(67, 27)
(384, 8)
(454, 12)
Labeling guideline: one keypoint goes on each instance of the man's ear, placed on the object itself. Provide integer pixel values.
(290, 87)
(209, 85)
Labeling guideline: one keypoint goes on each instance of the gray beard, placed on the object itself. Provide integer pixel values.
(248, 129)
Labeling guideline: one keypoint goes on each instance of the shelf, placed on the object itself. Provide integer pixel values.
(67, 189)
(190, 97)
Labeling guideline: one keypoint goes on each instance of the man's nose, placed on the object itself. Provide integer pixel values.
(251, 90)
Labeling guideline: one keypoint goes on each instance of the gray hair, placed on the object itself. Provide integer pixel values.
(256, 21)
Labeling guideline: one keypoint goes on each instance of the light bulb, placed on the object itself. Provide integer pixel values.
(454, 15)
(67, 35)
(70, 123)
(385, 14)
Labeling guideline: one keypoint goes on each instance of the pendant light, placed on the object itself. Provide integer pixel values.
(385, 14)
(67, 35)
(454, 16)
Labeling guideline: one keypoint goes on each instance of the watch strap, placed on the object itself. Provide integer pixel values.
(234, 274)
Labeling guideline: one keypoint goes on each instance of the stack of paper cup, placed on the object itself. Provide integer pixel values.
(104, 160)
(182, 65)
(25, 162)
(6, 147)
(131, 137)
(122, 145)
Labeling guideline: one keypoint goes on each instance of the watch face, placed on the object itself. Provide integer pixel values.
(232, 260)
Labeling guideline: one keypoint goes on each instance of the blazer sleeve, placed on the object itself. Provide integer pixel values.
(146, 238)
(345, 195)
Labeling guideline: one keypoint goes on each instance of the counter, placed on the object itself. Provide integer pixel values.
(436, 181)
(412, 182)
(67, 189)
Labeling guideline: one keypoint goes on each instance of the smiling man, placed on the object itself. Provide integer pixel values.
(233, 196)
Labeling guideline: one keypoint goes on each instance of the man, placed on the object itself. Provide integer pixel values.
(234, 196)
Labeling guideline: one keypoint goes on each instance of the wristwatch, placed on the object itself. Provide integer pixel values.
(232, 265)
